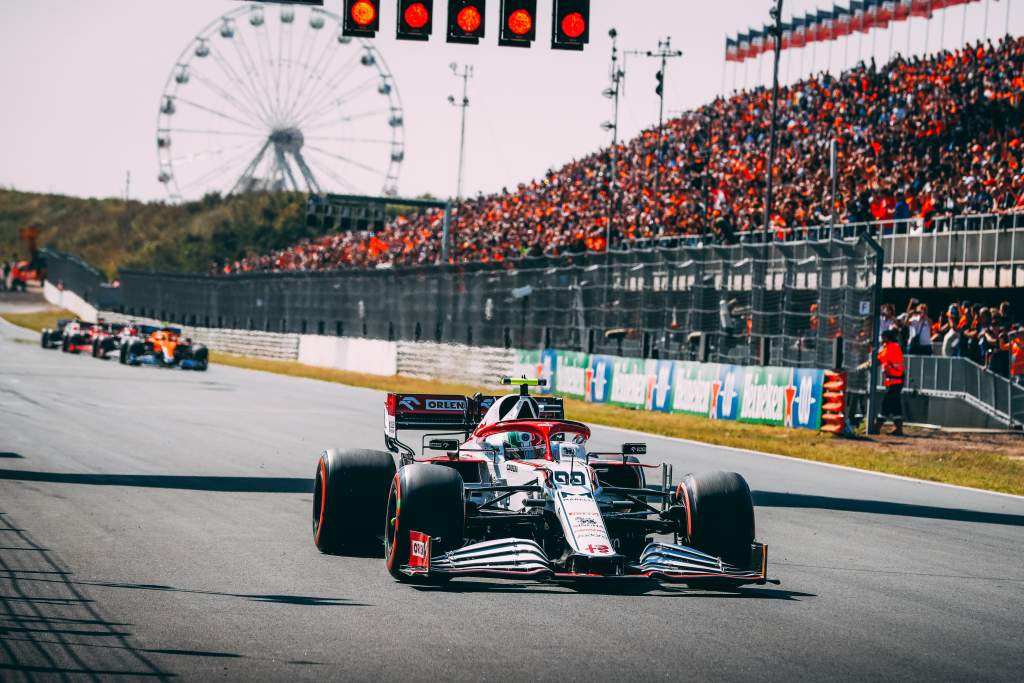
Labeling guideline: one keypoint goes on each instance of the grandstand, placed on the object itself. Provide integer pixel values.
(922, 143)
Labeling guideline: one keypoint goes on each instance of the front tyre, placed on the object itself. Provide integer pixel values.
(44, 339)
(350, 490)
(428, 499)
(719, 515)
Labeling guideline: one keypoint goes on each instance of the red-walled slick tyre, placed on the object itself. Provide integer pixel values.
(350, 492)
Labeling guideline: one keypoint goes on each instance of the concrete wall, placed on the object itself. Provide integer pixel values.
(454, 362)
(371, 356)
(70, 301)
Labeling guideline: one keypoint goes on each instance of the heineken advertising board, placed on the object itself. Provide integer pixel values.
(786, 397)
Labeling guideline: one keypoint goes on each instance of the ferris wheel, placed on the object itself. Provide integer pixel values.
(275, 98)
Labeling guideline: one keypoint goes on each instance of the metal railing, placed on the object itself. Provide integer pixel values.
(999, 397)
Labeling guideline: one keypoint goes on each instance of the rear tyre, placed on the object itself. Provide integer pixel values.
(122, 354)
(350, 492)
(64, 344)
(428, 499)
(719, 515)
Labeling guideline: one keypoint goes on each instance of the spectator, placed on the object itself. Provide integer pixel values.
(920, 332)
(926, 138)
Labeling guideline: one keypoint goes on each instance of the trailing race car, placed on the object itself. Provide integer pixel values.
(76, 336)
(518, 495)
(107, 337)
(162, 346)
(52, 338)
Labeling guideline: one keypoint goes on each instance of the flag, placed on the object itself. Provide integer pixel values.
(882, 13)
(841, 21)
(824, 25)
(787, 34)
(742, 46)
(859, 16)
(922, 8)
(731, 50)
(811, 27)
(756, 43)
(799, 38)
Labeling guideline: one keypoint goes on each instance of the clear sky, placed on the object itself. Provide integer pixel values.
(81, 82)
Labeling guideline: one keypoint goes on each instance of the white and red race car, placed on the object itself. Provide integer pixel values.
(516, 494)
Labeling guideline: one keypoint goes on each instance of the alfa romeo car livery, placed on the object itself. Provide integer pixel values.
(515, 493)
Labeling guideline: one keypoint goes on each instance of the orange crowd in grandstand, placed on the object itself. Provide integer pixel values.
(918, 139)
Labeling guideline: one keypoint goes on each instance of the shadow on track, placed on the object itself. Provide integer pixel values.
(651, 590)
(163, 481)
(50, 628)
(878, 507)
(303, 600)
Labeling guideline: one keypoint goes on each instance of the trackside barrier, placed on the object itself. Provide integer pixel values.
(784, 397)
(833, 409)
(70, 301)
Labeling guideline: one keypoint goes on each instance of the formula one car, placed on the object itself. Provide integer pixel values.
(162, 346)
(76, 337)
(107, 337)
(51, 338)
(519, 496)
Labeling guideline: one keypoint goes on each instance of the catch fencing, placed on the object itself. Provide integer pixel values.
(70, 273)
(780, 303)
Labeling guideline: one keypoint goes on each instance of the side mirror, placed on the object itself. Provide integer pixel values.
(634, 449)
(443, 444)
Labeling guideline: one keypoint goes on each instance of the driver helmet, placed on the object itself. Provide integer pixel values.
(514, 445)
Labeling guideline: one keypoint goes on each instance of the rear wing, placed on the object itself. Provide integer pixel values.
(450, 412)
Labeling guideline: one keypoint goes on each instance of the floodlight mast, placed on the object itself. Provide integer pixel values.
(776, 15)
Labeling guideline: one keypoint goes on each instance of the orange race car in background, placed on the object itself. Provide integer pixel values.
(163, 346)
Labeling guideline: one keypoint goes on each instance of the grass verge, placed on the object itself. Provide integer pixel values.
(37, 321)
(986, 461)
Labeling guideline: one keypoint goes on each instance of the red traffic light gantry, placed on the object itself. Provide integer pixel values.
(415, 19)
(362, 18)
(466, 21)
(570, 24)
(518, 26)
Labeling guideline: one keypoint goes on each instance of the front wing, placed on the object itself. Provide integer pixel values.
(518, 558)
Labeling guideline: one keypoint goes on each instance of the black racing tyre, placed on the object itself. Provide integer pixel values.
(64, 344)
(429, 499)
(719, 515)
(44, 339)
(122, 354)
(350, 492)
(95, 349)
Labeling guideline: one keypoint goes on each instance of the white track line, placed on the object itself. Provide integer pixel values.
(847, 468)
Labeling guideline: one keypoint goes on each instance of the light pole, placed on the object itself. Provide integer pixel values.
(776, 15)
(664, 52)
(463, 104)
(613, 92)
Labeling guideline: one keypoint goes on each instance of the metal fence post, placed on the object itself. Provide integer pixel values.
(872, 408)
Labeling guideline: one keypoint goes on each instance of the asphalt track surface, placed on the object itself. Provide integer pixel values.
(155, 524)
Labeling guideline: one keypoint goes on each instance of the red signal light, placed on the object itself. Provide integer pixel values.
(520, 22)
(468, 19)
(363, 12)
(416, 15)
(573, 25)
